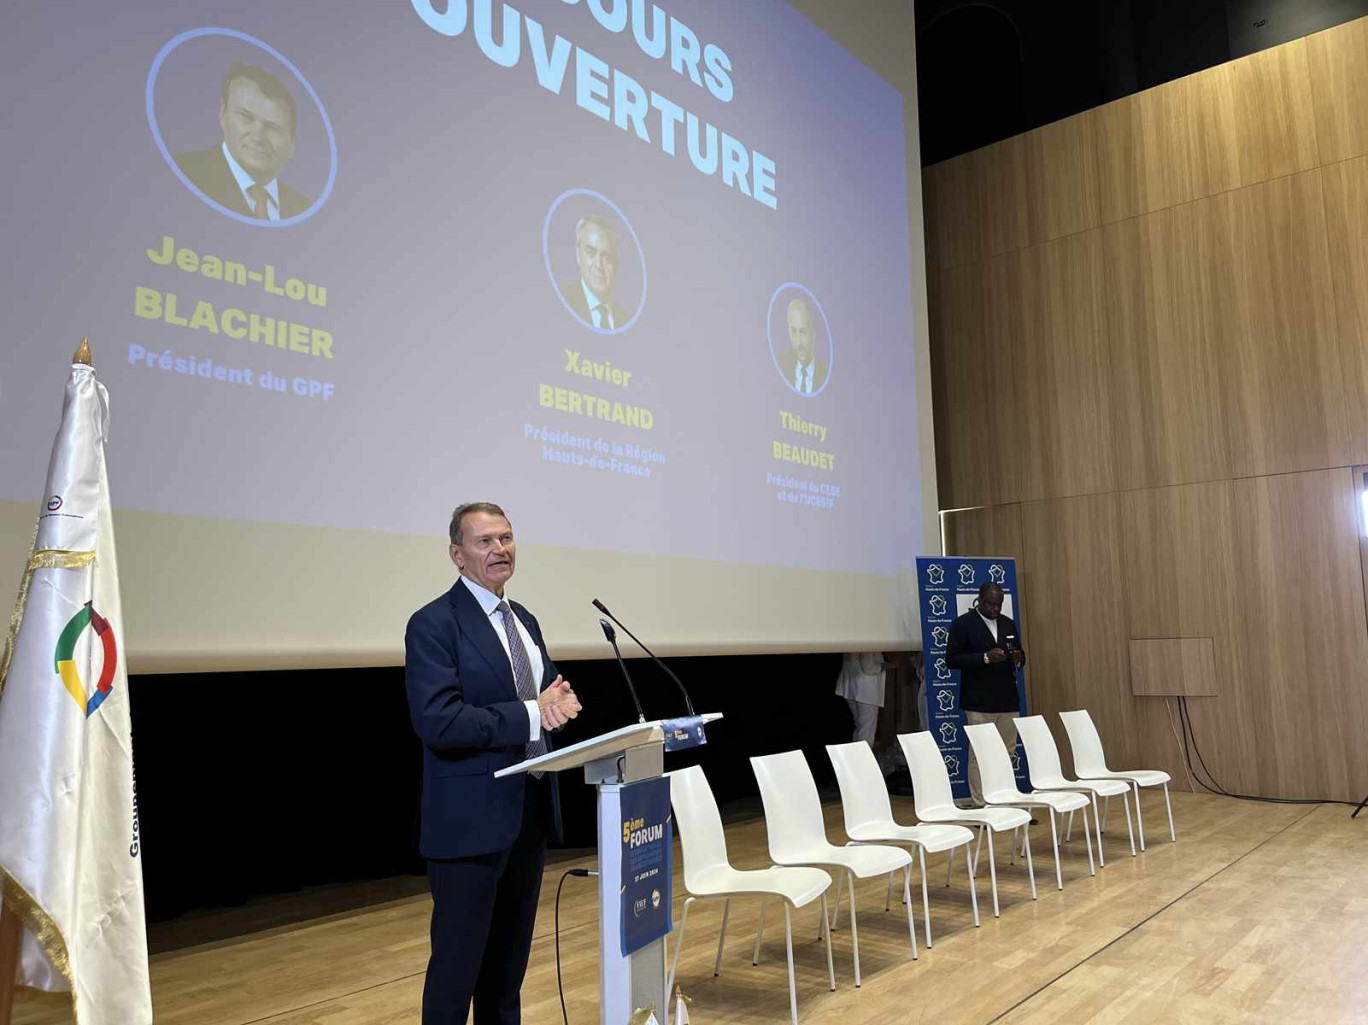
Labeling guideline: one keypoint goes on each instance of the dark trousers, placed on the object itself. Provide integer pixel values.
(483, 911)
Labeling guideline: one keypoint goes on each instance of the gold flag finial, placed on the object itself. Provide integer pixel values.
(83, 353)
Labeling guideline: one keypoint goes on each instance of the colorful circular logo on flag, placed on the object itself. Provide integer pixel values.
(54, 503)
(64, 658)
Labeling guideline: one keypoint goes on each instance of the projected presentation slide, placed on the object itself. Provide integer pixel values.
(640, 272)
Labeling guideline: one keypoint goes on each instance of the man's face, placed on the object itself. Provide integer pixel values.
(257, 130)
(486, 553)
(597, 258)
(801, 334)
(990, 604)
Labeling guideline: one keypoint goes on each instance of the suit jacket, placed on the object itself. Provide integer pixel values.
(208, 169)
(983, 687)
(788, 363)
(574, 295)
(465, 708)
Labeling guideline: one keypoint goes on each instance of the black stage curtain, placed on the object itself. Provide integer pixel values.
(262, 783)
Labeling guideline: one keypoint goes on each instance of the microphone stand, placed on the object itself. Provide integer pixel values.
(611, 634)
(668, 671)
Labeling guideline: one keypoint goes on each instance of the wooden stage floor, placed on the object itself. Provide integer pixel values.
(1259, 914)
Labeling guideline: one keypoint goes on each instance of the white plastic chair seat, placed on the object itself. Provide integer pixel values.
(1144, 777)
(1100, 787)
(997, 819)
(862, 862)
(933, 838)
(798, 886)
(1037, 799)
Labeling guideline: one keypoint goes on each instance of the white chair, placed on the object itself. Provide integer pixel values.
(1000, 787)
(797, 836)
(869, 819)
(1047, 774)
(709, 874)
(934, 802)
(1091, 763)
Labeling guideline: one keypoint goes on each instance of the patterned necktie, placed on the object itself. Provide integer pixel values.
(260, 197)
(522, 675)
(604, 323)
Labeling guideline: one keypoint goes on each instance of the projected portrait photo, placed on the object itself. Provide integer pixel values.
(241, 127)
(800, 339)
(594, 261)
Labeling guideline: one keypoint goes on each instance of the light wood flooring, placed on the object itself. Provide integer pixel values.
(1259, 914)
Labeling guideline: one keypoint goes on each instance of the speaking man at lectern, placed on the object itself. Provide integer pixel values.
(483, 694)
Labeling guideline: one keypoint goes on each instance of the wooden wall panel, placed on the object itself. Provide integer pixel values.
(1338, 59)
(1149, 150)
(1257, 120)
(1270, 305)
(953, 206)
(1303, 625)
(1180, 578)
(1063, 370)
(1346, 217)
(1075, 612)
(993, 530)
(1061, 160)
(1167, 413)
(974, 337)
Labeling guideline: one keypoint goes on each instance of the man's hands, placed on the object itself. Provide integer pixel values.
(557, 704)
(996, 655)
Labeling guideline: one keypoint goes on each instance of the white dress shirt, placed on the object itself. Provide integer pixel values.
(245, 181)
(594, 301)
(489, 602)
(991, 624)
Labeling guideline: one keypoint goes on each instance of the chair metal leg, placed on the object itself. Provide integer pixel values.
(1087, 840)
(1068, 829)
(973, 885)
(888, 897)
(788, 945)
(1030, 865)
(721, 937)
(1106, 808)
(1101, 853)
(854, 927)
(1054, 839)
(1139, 818)
(949, 865)
(836, 911)
(907, 899)
(1173, 833)
(760, 931)
(926, 901)
(831, 971)
(1016, 839)
(992, 871)
(977, 846)
(679, 944)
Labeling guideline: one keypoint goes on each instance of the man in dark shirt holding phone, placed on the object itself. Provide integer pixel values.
(985, 646)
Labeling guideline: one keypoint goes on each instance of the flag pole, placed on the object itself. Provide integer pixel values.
(11, 933)
(11, 928)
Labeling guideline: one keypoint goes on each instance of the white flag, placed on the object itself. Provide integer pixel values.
(69, 846)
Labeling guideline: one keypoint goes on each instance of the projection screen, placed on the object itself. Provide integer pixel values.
(648, 275)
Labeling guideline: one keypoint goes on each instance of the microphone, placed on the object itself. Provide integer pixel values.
(611, 634)
(668, 671)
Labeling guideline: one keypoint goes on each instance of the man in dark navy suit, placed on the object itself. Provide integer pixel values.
(483, 694)
(257, 115)
(985, 646)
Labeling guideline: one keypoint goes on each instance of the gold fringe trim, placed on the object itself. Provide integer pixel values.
(17, 616)
(53, 558)
(46, 558)
(37, 921)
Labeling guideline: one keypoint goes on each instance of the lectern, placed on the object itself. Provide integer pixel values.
(612, 763)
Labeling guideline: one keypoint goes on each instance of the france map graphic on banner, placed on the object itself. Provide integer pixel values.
(947, 587)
